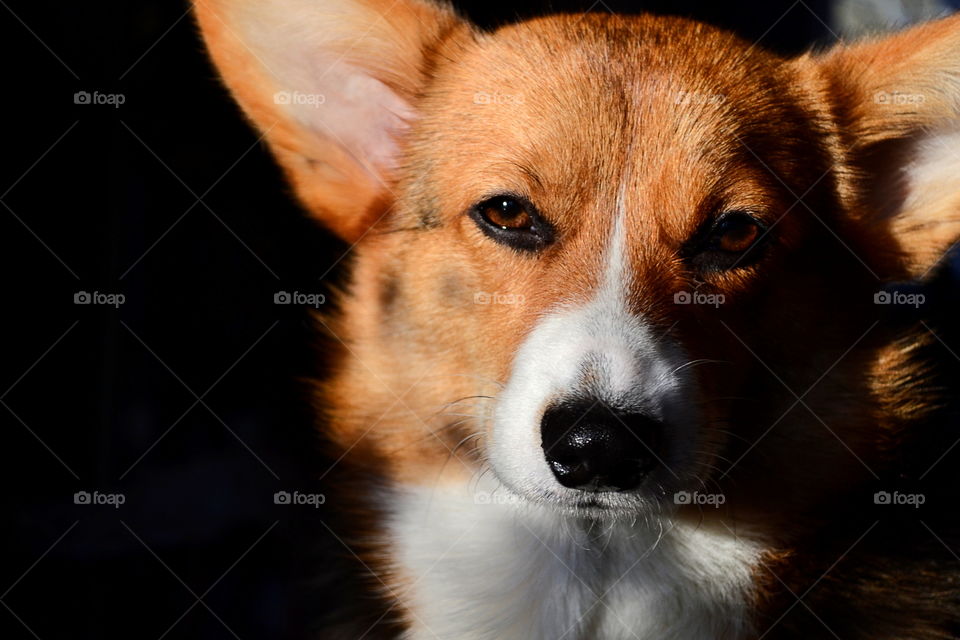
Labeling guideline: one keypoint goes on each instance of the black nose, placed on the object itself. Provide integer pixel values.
(594, 447)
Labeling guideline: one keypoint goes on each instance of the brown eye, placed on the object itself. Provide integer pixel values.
(732, 241)
(506, 213)
(736, 233)
(512, 221)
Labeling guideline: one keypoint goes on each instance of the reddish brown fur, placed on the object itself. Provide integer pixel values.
(594, 99)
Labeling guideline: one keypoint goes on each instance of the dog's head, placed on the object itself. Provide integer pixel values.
(616, 249)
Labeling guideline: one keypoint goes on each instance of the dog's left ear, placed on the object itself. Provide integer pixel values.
(896, 100)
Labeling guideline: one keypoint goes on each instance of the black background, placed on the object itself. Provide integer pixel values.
(171, 200)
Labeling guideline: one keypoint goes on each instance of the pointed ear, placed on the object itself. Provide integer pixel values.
(896, 101)
(331, 84)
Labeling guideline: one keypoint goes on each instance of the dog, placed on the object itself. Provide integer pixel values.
(636, 340)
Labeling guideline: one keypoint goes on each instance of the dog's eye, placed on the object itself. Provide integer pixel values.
(507, 214)
(731, 241)
(512, 221)
(735, 233)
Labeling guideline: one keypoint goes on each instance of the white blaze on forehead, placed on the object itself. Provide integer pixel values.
(628, 367)
(616, 276)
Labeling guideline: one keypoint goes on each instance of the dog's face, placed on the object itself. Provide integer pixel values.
(606, 227)
(627, 240)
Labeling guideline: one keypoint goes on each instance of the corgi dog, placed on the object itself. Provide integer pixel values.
(622, 351)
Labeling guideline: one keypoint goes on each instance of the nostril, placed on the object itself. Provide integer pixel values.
(572, 472)
(590, 446)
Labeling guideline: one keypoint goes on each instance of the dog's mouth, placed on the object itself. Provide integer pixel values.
(654, 497)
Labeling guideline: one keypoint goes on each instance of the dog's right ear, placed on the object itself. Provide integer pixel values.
(331, 85)
(896, 99)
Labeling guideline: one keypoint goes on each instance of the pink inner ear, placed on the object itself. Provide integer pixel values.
(361, 114)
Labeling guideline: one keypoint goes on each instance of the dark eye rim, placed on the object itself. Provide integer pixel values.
(701, 251)
(536, 237)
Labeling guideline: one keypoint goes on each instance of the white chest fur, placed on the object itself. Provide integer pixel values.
(482, 566)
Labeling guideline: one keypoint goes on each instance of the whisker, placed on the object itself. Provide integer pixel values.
(464, 399)
(712, 455)
(465, 375)
(431, 432)
(700, 361)
(733, 435)
(453, 453)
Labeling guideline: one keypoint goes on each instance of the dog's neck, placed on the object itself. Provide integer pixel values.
(475, 563)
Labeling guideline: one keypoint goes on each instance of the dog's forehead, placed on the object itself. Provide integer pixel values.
(583, 103)
(640, 70)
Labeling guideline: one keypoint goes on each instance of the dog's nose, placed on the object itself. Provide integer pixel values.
(597, 448)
